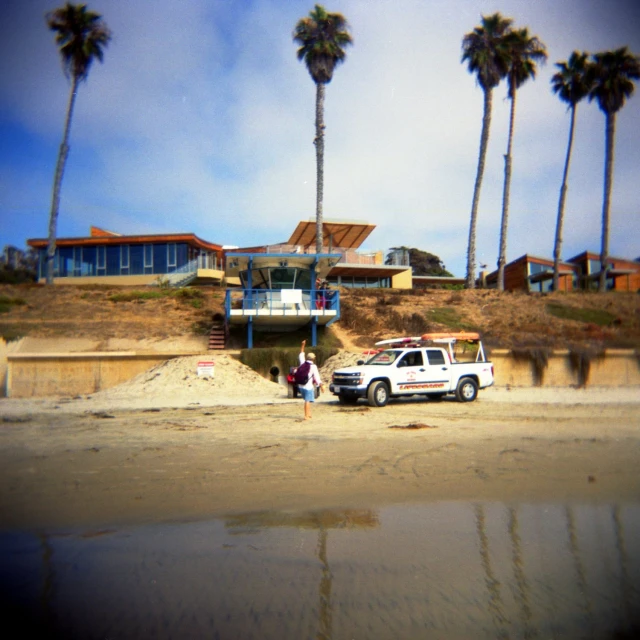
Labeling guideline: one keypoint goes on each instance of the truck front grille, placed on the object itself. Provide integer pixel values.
(347, 379)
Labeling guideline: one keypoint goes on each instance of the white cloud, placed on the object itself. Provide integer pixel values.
(202, 119)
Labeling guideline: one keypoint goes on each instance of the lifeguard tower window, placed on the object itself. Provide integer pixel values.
(277, 278)
(283, 278)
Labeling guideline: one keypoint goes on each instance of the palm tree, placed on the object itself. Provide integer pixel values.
(523, 52)
(613, 73)
(322, 37)
(572, 85)
(81, 36)
(484, 52)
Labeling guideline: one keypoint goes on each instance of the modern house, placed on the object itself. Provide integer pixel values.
(112, 258)
(529, 273)
(622, 274)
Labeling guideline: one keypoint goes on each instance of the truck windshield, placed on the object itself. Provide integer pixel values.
(385, 357)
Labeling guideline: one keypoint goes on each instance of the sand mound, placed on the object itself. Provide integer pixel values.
(340, 360)
(176, 383)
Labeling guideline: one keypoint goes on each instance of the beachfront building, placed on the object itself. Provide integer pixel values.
(622, 274)
(355, 268)
(106, 257)
(532, 274)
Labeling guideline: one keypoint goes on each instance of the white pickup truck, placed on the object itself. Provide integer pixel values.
(410, 366)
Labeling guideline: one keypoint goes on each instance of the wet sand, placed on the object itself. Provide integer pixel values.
(77, 464)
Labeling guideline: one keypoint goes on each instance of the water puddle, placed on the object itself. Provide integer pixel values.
(442, 570)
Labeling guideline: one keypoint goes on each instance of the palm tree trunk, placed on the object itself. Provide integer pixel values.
(563, 194)
(319, 142)
(57, 181)
(505, 196)
(484, 143)
(608, 183)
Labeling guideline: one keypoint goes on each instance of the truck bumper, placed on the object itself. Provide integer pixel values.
(352, 392)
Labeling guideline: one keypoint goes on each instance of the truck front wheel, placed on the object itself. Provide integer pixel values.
(378, 394)
(467, 390)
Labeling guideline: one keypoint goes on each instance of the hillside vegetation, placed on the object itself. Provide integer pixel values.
(509, 320)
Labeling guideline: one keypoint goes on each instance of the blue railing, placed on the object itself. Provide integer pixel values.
(270, 300)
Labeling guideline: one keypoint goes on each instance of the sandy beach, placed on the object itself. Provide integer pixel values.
(156, 450)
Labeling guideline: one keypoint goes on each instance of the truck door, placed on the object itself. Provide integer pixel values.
(438, 370)
(410, 371)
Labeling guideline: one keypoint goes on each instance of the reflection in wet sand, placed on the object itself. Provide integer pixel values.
(320, 520)
(442, 570)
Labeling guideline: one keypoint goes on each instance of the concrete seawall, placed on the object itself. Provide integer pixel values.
(612, 368)
(25, 375)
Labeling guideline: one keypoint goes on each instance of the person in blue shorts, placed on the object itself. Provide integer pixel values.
(308, 390)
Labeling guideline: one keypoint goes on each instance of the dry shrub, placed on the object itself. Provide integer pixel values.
(414, 324)
(354, 319)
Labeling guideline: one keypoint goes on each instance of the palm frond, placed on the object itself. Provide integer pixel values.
(322, 37)
(612, 74)
(484, 51)
(81, 36)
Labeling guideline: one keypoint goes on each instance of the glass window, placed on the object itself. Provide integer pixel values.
(89, 258)
(65, 262)
(113, 260)
(283, 278)
(159, 258)
(102, 261)
(124, 256)
(384, 357)
(77, 261)
(303, 279)
(534, 267)
(171, 256)
(411, 359)
(181, 254)
(42, 263)
(435, 356)
(136, 259)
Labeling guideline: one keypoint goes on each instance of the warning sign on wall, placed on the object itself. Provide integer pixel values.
(205, 368)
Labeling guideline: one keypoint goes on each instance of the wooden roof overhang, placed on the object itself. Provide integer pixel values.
(94, 241)
(345, 234)
(438, 279)
(548, 275)
(611, 272)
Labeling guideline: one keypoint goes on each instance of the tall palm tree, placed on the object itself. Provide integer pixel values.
(613, 73)
(483, 50)
(322, 37)
(523, 52)
(81, 36)
(572, 85)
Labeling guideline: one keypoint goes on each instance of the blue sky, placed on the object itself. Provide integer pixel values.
(201, 120)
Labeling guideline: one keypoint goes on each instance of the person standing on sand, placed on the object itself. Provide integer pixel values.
(308, 391)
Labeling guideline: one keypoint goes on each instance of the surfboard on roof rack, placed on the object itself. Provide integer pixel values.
(447, 338)
(432, 337)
